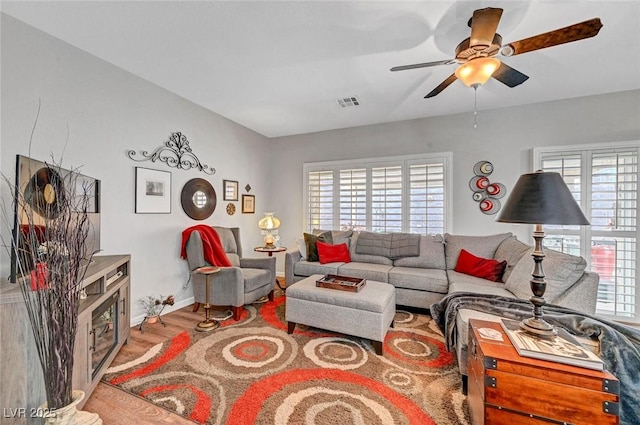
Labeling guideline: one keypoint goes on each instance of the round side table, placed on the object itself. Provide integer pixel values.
(208, 324)
(270, 251)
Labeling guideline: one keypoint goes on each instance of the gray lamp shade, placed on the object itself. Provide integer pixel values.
(541, 198)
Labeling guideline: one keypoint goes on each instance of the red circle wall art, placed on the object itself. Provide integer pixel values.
(485, 193)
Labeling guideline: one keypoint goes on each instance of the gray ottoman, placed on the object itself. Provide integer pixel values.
(365, 314)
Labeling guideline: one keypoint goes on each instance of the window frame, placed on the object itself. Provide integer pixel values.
(406, 161)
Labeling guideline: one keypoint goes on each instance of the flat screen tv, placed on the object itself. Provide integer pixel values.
(34, 180)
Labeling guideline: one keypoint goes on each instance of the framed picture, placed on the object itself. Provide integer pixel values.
(153, 191)
(248, 204)
(230, 192)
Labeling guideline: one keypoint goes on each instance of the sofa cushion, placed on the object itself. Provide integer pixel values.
(404, 245)
(486, 268)
(365, 258)
(374, 243)
(369, 271)
(455, 276)
(511, 250)
(302, 247)
(561, 272)
(390, 245)
(338, 236)
(328, 253)
(459, 282)
(307, 268)
(311, 240)
(481, 246)
(431, 254)
(432, 280)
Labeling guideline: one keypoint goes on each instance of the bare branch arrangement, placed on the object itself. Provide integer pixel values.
(52, 259)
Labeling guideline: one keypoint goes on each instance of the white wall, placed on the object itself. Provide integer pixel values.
(107, 112)
(504, 137)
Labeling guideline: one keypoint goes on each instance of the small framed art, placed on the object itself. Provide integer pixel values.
(230, 192)
(153, 191)
(248, 204)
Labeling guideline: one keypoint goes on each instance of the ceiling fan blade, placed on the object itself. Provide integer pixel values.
(568, 34)
(443, 85)
(423, 65)
(484, 24)
(509, 76)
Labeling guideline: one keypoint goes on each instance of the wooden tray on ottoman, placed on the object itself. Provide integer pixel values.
(343, 283)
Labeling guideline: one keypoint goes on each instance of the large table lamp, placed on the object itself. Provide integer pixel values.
(540, 198)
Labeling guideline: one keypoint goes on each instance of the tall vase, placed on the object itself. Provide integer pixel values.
(69, 414)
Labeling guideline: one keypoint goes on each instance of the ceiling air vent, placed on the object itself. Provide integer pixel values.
(346, 102)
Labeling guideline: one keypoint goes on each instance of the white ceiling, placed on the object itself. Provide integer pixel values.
(278, 67)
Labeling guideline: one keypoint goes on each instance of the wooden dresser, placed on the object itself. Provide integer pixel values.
(506, 388)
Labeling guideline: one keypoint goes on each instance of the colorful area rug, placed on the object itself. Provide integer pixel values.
(253, 372)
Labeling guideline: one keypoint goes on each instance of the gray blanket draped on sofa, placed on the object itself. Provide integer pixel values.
(619, 344)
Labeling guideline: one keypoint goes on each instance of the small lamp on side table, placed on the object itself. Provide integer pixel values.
(269, 228)
(540, 198)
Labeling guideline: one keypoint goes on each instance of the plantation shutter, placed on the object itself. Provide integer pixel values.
(386, 199)
(426, 198)
(353, 199)
(320, 200)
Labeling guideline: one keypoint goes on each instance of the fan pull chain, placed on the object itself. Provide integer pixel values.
(475, 106)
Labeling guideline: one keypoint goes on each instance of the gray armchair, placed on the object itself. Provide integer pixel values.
(248, 280)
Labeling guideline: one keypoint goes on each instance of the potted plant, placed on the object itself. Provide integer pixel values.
(153, 306)
(51, 258)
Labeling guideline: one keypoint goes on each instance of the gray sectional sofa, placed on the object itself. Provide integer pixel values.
(425, 279)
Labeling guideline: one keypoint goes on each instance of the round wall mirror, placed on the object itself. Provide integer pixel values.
(198, 199)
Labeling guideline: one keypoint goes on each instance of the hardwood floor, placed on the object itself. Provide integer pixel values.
(117, 407)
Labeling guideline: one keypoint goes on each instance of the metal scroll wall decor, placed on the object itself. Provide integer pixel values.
(487, 194)
(176, 153)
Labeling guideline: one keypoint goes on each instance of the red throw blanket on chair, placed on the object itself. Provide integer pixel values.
(213, 252)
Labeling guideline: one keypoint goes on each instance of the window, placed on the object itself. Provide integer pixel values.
(399, 194)
(604, 181)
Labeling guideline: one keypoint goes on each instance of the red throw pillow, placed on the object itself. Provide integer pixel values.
(480, 267)
(328, 253)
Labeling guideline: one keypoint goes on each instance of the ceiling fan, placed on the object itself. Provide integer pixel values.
(476, 54)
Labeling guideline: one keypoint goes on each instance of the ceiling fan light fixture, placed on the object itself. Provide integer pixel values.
(477, 71)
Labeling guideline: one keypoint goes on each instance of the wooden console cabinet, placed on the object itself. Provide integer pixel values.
(506, 388)
(101, 333)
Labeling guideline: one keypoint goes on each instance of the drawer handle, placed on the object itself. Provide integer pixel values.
(93, 338)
